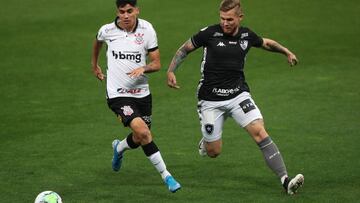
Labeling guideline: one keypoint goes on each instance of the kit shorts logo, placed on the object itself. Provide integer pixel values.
(209, 128)
(247, 105)
(127, 110)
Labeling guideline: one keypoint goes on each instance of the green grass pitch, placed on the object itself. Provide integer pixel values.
(56, 129)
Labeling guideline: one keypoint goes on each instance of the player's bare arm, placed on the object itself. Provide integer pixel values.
(178, 58)
(94, 60)
(271, 45)
(153, 66)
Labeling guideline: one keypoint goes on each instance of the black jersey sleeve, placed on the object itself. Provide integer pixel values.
(200, 38)
(256, 40)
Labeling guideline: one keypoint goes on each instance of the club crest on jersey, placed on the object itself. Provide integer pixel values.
(209, 128)
(127, 110)
(139, 38)
(243, 44)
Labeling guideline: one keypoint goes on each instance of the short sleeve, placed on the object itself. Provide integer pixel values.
(100, 35)
(256, 40)
(200, 39)
(152, 43)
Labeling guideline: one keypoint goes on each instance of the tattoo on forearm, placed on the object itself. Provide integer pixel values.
(178, 59)
(276, 47)
(180, 55)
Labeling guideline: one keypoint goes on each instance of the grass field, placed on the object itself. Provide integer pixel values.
(56, 129)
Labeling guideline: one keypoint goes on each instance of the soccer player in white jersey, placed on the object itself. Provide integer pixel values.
(223, 91)
(130, 41)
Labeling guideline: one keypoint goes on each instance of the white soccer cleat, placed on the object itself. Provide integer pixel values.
(294, 184)
(202, 149)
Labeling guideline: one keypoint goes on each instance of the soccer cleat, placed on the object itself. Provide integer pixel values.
(202, 150)
(172, 184)
(117, 157)
(292, 186)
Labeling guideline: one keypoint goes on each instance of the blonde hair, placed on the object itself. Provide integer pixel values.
(227, 5)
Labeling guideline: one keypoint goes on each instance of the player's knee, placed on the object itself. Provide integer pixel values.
(213, 153)
(261, 134)
(257, 130)
(143, 136)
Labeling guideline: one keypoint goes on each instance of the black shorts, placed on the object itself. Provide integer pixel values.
(128, 108)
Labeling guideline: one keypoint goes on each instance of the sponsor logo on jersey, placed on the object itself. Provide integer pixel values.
(244, 44)
(218, 34)
(232, 42)
(139, 38)
(247, 105)
(225, 92)
(127, 110)
(131, 56)
(209, 128)
(128, 91)
(243, 35)
(221, 44)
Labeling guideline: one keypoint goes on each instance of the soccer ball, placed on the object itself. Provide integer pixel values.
(48, 197)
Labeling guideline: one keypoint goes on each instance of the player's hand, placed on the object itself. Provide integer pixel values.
(98, 73)
(171, 80)
(136, 73)
(292, 60)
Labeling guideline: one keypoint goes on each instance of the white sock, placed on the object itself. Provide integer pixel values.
(282, 179)
(159, 164)
(122, 146)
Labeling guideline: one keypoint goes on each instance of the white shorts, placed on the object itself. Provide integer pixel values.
(212, 114)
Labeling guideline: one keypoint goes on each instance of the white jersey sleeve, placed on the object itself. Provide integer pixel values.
(100, 35)
(152, 39)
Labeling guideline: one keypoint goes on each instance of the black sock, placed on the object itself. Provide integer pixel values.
(130, 142)
(150, 148)
(286, 183)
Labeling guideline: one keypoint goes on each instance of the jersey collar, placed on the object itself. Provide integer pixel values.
(116, 23)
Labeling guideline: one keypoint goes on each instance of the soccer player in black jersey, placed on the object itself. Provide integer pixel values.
(223, 91)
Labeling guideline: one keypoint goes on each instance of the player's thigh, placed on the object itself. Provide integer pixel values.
(211, 121)
(140, 129)
(125, 108)
(244, 110)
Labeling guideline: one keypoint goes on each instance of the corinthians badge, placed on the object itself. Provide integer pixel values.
(139, 38)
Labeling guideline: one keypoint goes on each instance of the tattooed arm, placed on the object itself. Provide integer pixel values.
(179, 57)
(271, 45)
